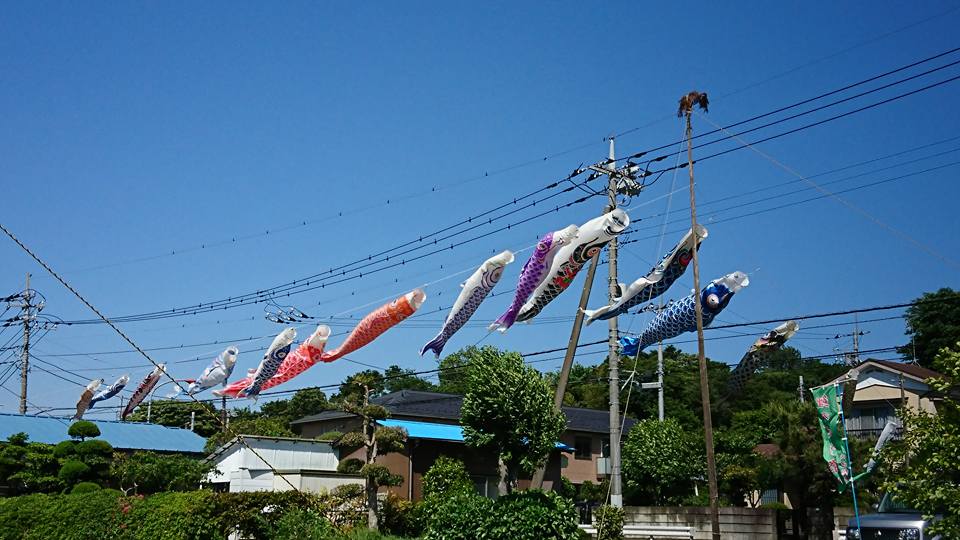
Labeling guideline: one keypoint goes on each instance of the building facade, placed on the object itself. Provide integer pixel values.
(432, 423)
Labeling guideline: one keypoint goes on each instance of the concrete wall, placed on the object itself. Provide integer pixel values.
(735, 523)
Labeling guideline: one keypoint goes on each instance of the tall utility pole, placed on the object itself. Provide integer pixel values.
(660, 380)
(613, 357)
(687, 104)
(25, 315)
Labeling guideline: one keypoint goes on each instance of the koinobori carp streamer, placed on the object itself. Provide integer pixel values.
(473, 291)
(758, 353)
(84, 402)
(143, 390)
(217, 372)
(592, 236)
(533, 273)
(111, 391)
(656, 282)
(275, 355)
(303, 358)
(378, 322)
(681, 316)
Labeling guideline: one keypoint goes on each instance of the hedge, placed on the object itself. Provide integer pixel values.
(197, 515)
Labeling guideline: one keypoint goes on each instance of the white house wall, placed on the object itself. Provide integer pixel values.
(877, 377)
(247, 472)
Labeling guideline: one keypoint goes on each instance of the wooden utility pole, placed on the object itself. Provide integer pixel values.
(25, 354)
(687, 103)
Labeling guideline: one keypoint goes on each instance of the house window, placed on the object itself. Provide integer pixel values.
(770, 496)
(605, 447)
(582, 448)
(871, 418)
(486, 486)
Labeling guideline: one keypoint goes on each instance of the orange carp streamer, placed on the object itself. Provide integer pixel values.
(378, 322)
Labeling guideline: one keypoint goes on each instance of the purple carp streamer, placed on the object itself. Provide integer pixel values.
(655, 283)
(217, 372)
(111, 391)
(592, 236)
(272, 359)
(143, 390)
(84, 402)
(681, 316)
(533, 273)
(474, 290)
(758, 354)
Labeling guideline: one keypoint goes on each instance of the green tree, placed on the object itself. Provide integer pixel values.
(352, 388)
(661, 462)
(303, 403)
(396, 378)
(373, 439)
(933, 323)
(148, 472)
(267, 427)
(82, 429)
(923, 471)
(453, 370)
(508, 408)
(176, 413)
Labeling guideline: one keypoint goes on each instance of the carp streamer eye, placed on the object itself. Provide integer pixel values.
(713, 301)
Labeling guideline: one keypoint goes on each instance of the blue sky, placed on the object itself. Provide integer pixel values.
(131, 131)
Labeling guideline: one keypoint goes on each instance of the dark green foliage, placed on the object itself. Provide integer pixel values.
(402, 517)
(82, 429)
(591, 492)
(65, 449)
(566, 489)
(522, 515)
(304, 402)
(197, 515)
(509, 410)
(148, 472)
(933, 323)
(396, 378)
(85, 487)
(930, 480)
(446, 478)
(453, 370)
(176, 413)
(350, 466)
(72, 472)
(463, 517)
(331, 436)
(29, 467)
(661, 461)
(608, 520)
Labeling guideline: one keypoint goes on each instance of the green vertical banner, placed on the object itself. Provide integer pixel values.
(828, 410)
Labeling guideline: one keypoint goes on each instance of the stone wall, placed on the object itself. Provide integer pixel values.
(735, 523)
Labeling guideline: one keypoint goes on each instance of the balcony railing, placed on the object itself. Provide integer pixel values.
(871, 434)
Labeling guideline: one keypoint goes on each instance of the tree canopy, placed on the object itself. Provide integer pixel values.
(508, 408)
(933, 323)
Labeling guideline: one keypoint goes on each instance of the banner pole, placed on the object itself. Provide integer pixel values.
(846, 447)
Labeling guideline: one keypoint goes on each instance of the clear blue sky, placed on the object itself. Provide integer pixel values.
(139, 129)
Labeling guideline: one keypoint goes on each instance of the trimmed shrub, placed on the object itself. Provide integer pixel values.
(83, 429)
(446, 478)
(297, 524)
(608, 521)
(85, 487)
(72, 472)
(459, 518)
(534, 514)
(401, 517)
(65, 449)
(330, 436)
(350, 466)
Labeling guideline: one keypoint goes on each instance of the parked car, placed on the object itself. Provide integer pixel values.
(892, 521)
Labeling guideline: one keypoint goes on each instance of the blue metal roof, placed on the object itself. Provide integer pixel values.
(122, 435)
(439, 432)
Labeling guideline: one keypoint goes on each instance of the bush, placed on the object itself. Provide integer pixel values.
(446, 478)
(95, 447)
(350, 466)
(85, 487)
(522, 515)
(73, 471)
(566, 489)
(459, 518)
(83, 429)
(65, 449)
(608, 521)
(298, 524)
(401, 517)
(329, 436)
(534, 514)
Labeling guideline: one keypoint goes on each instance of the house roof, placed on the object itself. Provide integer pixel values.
(913, 370)
(427, 406)
(121, 435)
